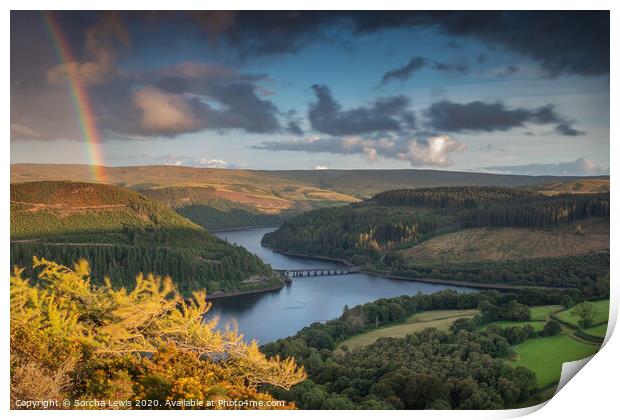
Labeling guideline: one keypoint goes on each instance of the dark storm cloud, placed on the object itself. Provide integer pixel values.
(480, 116)
(179, 100)
(418, 63)
(385, 114)
(508, 71)
(452, 44)
(293, 128)
(149, 106)
(567, 130)
(562, 42)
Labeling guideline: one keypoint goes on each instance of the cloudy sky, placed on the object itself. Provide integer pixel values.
(511, 92)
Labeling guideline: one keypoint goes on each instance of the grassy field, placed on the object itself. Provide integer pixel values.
(542, 313)
(601, 314)
(540, 316)
(484, 244)
(417, 322)
(545, 356)
(597, 331)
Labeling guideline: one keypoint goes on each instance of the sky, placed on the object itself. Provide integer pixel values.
(502, 92)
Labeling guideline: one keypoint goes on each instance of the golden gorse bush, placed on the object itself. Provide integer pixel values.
(86, 341)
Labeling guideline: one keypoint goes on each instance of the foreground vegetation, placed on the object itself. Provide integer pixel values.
(121, 233)
(71, 339)
(143, 347)
(426, 233)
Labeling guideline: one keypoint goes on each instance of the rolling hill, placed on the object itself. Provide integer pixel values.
(491, 235)
(577, 186)
(228, 198)
(123, 233)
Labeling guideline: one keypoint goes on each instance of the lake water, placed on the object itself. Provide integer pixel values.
(272, 315)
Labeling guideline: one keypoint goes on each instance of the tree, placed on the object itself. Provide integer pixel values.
(320, 339)
(585, 311)
(88, 342)
(514, 311)
(552, 327)
(463, 324)
(421, 390)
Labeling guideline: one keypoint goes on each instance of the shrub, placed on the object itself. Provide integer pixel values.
(70, 338)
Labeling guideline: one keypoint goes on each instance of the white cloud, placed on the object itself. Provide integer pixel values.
(181, 160)
(164, 112)
(578, 167)
(213, 163)
(434, 151)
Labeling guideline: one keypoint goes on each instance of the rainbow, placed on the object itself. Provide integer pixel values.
(80, 98)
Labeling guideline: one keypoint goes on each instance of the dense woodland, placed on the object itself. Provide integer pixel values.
(501, 207)
(122, 233)
(357, 230)
(459, 369)
(581, 272)
(223, 270)
(371, 233)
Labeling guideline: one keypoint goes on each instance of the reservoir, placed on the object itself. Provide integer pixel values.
(271, 315)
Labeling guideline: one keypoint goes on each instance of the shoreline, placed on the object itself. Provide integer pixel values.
(480, 286)
(316, 257)
(245, 292)
(220, 230)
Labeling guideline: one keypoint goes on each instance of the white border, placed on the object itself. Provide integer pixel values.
(592, 394)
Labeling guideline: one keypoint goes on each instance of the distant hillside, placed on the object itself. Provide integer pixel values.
(366, 183)
(212, 198)
(476, 234)
(217, 209)
(226, 198)
(578, 186)
(123, 233)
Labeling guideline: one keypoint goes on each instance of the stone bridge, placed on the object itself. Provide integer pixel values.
(315, 272)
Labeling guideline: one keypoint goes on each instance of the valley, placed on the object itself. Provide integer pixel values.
(545, 249)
